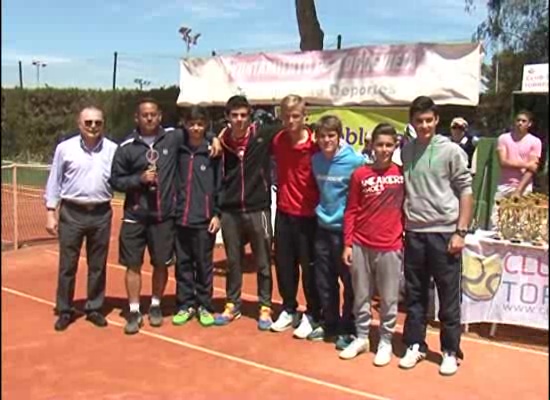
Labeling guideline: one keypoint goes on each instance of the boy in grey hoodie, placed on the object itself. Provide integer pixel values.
(438, 209)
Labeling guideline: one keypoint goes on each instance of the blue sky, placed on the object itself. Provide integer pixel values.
(77, 38)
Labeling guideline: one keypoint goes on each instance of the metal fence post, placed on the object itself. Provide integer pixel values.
(15, 208)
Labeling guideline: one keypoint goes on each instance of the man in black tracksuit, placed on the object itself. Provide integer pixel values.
(148, 206)
(198, 181)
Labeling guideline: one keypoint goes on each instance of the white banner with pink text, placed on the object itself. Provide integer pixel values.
(505, 283)
(367, 76)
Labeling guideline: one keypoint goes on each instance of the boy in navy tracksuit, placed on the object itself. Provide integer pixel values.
(197, 220)
(332, 168)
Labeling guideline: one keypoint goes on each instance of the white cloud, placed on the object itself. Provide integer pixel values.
(202, 9)
(10, 56)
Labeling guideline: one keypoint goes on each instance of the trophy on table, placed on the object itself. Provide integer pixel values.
(523, 219)
(537, 225)
(152, 156)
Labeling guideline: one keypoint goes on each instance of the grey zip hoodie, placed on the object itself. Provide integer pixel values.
(436, 175)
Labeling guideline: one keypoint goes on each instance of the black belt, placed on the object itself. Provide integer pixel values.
(87, 206)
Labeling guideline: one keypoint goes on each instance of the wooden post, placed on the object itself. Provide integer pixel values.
(15, 216)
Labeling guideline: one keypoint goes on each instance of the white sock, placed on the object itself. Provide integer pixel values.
(134, 307)
(155, 301)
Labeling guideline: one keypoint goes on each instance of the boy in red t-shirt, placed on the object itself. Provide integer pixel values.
(373, 235)
(295, 222)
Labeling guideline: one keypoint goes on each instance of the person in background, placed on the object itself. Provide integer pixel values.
(78, 190)
(367, 149)
(461, 136)
(438, 210)
(198, 182)
(396, 157)
(332, 168)
(373, 231)
(519, 154)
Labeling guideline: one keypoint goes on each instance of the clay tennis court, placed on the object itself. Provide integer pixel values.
(233, 362)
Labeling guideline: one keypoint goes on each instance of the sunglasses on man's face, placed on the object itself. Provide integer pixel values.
(89, 123)
(457, 127)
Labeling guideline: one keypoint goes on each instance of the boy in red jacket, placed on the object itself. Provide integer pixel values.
(295, 221)
(373, 234)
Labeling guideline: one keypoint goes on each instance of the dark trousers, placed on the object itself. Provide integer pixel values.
(76, 223)
(256, 227)
(294, 248)
(194, 268)
(329, 269)
(426, 256)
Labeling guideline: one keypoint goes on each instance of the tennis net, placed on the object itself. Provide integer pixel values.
(23, 211)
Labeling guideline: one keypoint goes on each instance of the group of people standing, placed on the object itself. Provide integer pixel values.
(339, 219)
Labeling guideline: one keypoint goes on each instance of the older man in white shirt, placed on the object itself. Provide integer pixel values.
(78, 199)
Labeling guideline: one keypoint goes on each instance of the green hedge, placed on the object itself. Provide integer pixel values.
(34, 120)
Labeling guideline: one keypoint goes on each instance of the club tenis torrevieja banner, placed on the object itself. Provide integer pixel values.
(505, 283)
(365, 76)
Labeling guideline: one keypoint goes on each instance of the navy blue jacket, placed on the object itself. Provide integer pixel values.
(198, 186)
(130, 161)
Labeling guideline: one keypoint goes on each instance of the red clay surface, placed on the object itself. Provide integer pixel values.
(233, 362)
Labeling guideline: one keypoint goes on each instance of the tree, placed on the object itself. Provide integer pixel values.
(516, 25)
(517, 32)
(311, 34)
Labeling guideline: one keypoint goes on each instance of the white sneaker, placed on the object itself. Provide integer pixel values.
(383, 354)
(358, 346)
(412, 357)
(304, 329)
(283, 322)
(449, 365)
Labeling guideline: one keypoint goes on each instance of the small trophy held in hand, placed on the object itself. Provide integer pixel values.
(152, 157)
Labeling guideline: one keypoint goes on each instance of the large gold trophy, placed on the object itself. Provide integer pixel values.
(524, 219)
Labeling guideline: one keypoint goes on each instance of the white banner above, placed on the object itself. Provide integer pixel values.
(366, 76)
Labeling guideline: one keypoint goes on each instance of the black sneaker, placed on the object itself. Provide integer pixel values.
(97, 319)
(63, 322)
(155, 316)
(134, 322)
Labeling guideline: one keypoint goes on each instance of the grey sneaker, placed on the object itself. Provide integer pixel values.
(134, 322)
(155, 316)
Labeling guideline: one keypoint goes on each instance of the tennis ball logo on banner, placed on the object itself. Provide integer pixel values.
(481, 277)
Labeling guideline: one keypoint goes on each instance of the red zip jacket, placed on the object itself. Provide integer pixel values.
(297, 192)
(374, 213)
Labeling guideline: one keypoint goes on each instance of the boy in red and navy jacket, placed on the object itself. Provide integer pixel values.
(246, 206)
(197, 217)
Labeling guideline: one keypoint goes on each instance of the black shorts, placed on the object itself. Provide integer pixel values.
(157, 237)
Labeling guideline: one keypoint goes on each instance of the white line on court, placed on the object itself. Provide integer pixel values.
(278, 371)
(431, 331)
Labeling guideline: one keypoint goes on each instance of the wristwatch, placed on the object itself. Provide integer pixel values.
(461, 232)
